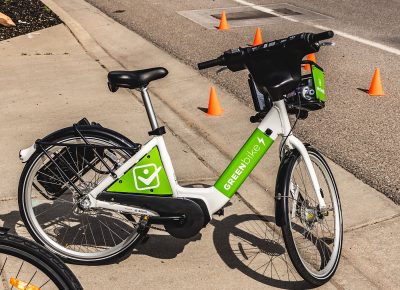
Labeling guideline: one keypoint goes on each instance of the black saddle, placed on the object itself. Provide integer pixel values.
(134, 79)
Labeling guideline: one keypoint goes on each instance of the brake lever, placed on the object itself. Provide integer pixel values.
(257, 118)
(327, 43)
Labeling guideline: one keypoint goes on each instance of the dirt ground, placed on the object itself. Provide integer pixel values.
(28, 15)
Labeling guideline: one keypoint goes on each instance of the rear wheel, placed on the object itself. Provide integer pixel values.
(53, 211)
(313, 238)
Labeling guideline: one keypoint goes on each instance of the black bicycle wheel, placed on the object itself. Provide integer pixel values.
(51, 208)
(313, 238)
(27, 265)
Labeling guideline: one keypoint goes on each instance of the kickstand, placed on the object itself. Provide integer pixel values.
(145, 239)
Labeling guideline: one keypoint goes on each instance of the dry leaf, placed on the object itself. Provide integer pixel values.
(6, 21)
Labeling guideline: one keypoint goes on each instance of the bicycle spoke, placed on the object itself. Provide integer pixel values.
(2, 268)
(52, 177)
(45, 283)
(19, 270)
(30, 280)
(75, 163)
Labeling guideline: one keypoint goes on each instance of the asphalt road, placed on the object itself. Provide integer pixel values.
(359, 132)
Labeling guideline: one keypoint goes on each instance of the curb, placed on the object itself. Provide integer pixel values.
(91, 47)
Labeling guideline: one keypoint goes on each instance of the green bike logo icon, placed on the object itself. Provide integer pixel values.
(146, 176)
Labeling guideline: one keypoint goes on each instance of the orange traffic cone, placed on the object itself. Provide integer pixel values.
(257, 37)
(223, 24)
(310, 57)
(214, 107)
(376, 85)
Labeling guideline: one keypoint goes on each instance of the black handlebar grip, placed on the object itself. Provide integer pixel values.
(210, 63)
(322, 36)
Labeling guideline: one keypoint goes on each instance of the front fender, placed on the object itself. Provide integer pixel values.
(281, 218)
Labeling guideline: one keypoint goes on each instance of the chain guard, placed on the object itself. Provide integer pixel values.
(194, 211)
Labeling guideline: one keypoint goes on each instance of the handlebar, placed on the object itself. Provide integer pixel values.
(211, 63)
(321, 36)
(235, 59)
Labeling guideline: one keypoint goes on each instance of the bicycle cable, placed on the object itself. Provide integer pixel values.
(294, 124)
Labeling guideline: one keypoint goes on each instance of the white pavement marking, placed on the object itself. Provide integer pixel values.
(341, 33)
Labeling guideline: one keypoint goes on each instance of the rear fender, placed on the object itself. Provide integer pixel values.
(83, 126)
(25, 154)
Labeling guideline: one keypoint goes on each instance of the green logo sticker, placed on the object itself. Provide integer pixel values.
(148, 176)
(319, 83)
(243, 163)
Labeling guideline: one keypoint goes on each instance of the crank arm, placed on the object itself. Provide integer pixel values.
(162, 220)
(121, 208)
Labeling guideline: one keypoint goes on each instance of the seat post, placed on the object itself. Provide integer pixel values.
(149, 108)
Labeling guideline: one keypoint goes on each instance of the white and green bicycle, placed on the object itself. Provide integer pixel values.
(90, 194)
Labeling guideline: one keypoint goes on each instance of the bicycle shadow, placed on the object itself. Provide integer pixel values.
(248, 242)
(12, 221)
(253, 245)
(171, 247)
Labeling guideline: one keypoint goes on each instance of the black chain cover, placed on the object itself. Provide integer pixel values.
(192, 224)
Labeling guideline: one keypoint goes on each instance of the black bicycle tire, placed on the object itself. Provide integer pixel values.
(286, 229)
(41, 258)
(88, 131)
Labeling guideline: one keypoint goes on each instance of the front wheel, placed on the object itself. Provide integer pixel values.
(313, 238)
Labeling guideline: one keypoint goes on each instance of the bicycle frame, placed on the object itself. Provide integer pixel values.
(276, 123)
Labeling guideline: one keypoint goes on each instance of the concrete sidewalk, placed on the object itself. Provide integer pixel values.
(57, 79)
